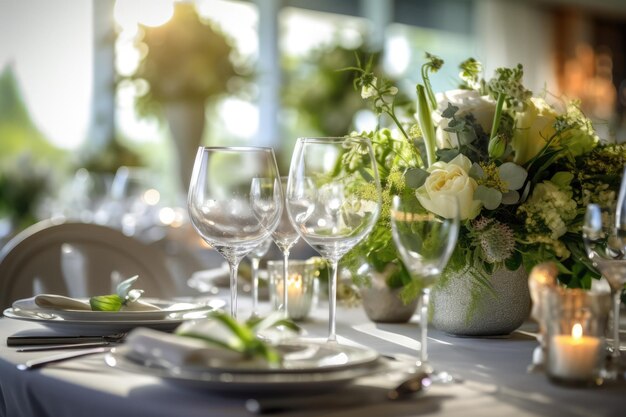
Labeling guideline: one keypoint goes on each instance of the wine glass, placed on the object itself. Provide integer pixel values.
(255, 258)
(224, 209)
(425, 242)
(285, 236)
(333, 200)
(605, 246)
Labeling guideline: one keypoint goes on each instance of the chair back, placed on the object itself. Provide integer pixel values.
(78, 260)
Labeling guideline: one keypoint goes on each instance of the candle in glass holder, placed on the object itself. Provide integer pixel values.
(299, 286)
(574, 357)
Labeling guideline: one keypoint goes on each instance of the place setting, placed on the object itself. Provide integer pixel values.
(108, 314)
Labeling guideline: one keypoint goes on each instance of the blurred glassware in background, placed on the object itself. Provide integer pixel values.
(255, 258)
(285, 236)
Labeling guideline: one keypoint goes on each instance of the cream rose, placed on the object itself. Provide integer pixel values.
(468, 101)
(450, 179)
(533, 129)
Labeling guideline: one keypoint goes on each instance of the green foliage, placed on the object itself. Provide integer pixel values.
(240, 337)
(187, 59)
(527, 212)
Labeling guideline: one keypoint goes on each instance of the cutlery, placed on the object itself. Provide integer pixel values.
(62, 340)
(40, 348)
(38, 363)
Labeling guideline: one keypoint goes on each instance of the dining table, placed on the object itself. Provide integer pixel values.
(492, 378)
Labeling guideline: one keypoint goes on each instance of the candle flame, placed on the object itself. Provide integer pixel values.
(295, 281)
(577, 331)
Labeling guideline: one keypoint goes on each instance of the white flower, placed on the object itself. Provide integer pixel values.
(468, 101)
(368, 90)
(450, 179)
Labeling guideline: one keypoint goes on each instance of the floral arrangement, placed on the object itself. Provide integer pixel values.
(522, 168)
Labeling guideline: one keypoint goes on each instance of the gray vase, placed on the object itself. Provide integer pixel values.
(455, 310)
(383, 304)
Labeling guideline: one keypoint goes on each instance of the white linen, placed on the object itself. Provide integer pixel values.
(177, 350)
(60, 302)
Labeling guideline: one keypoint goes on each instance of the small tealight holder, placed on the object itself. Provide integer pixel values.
(300, 286)
(576, 322)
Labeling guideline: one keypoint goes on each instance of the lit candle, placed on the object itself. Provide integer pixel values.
(574, 357)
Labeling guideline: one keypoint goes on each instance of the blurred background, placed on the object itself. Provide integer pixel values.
(104, 102)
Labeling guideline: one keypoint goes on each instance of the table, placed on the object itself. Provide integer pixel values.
(496, 382)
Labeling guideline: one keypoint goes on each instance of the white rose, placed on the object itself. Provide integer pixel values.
(450, 179)
(468, 101)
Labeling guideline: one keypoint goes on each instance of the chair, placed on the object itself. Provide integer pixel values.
(78, 260)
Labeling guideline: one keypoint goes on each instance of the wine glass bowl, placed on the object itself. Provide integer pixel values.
(333, 199)
(604, 242)
(224, 207)
(425, 241)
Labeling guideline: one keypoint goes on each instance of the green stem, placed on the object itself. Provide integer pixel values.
(426, 124)
(429, 88)
(496, 117)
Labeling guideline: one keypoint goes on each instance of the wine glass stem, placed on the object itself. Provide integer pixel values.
(616, 339)
(255, 285)
(332, 301)
(234, 266)
(425, 299)
(285, 283)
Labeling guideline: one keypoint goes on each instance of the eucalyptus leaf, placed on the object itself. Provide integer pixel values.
(447, 155)
(415, 177)
(513, 174)
(450, 111)
(476, 171)
(111, 302)
(490, 197)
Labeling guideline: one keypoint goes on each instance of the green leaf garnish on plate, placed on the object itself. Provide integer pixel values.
(111, 302)
(223, 331)
(114, 302)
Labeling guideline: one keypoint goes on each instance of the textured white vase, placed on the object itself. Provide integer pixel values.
(383, 304)
(455, 310)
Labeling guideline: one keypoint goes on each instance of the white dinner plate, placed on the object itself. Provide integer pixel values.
(116, 324)
(167, 309)
(291, 378)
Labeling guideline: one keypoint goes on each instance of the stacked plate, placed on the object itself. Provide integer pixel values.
(167, 318)
(307, 365)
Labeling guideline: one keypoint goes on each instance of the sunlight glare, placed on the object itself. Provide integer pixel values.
(129, 13)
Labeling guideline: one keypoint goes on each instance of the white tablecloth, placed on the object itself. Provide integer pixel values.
(496, 382)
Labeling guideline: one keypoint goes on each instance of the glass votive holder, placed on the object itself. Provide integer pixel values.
(300, 286)
(576, 323)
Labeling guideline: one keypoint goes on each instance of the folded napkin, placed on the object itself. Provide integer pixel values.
(60, 302)
(171, 349)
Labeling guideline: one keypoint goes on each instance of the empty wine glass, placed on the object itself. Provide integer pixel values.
(333, 199)
(605, 247)
(225, 210)
(285, 236)
(425, 242)
(255, 258)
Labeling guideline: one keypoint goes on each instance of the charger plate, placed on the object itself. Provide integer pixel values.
(333, 365)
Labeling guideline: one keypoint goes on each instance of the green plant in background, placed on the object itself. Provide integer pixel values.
(186, 59)
(323, 96)
(28, 162)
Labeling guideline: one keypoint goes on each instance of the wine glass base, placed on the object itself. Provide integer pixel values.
(436, 376)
